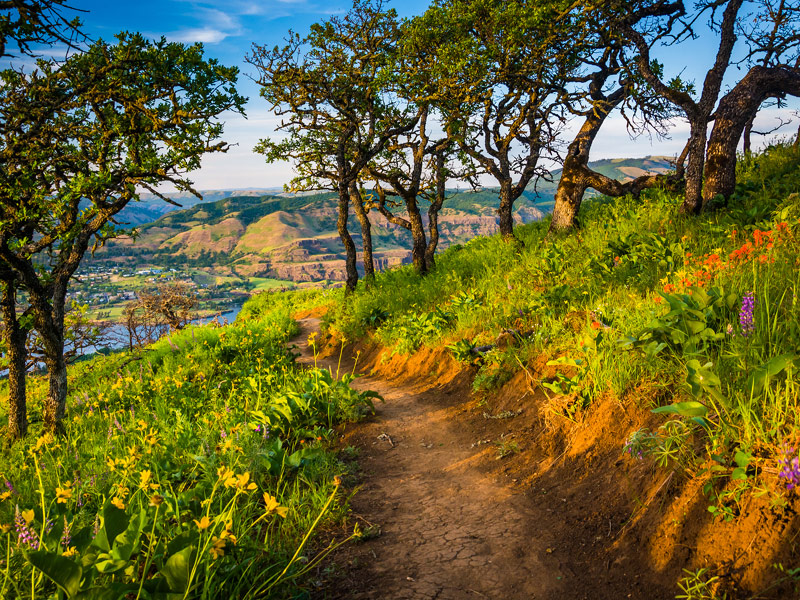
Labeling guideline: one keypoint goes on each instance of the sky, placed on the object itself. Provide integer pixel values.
(229, 28)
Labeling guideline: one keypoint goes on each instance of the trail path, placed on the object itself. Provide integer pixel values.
(448, 530)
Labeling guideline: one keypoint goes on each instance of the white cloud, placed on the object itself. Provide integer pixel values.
(206, 35)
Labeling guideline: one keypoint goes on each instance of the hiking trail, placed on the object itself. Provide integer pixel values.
(447, 530)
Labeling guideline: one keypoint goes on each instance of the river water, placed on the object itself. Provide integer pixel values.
(117, 335)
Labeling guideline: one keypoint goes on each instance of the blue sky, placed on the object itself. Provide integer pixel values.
(228, 29)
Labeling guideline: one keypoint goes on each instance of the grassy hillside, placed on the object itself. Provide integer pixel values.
(693, 318)
(196, 468)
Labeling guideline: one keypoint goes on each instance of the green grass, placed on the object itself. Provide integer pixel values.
(265, 283)
(197, 468)
(643, 302)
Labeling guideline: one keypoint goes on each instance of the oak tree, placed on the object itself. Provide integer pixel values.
(80, 140)
(337, 114)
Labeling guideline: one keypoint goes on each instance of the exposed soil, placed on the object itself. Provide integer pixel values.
(503, 499)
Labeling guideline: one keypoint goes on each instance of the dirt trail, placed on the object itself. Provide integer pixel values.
(448, 530)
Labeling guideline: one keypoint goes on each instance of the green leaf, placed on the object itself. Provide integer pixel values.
(178, 570)
(761, 376)
(65, 573)
(112, 591)
(739, 474)
(684, 409)
(742, 459)
(115, 521)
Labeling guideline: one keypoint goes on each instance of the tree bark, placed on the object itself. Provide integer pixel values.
(433, 211)
(366, 233)
(736, 109)
(693, 203)
(573, 183)
(15, 339)
(349, 246)
(505, 211)
(49, 320)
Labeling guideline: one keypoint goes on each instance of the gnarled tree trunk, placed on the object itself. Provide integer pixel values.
(366, 233)
(351, 270)
(15, 340)
(505, 211)
(575, 174)
(433, 211)
(736, 109)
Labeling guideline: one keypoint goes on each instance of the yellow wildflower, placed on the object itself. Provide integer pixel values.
(156, 500)
(218, 547)
(203, 524)
(147, 482)
(28, 516)
(118, 503)
(64, 494)
(243, 485)
(5, 496)
(70, 552)
(273, 506)
(5, 527)
(44, 441)
(227, 476)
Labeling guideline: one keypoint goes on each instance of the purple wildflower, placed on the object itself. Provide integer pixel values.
(10, 487)
(66, 537)
(631, 448)
(746, 314)
(25, 534)
(791, 468)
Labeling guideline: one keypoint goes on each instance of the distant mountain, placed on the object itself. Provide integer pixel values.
(293, 236)
(150, 207)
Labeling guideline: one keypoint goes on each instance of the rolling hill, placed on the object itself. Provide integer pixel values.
(293, 237)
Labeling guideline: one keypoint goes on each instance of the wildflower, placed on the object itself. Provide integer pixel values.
(244, 484)
(26, 535)
(791, 468)
(70, 552)
(203, 524)
(5, 496)
(66, 537)
(156, 500)
(117, 501)
(10, 487)
(64, 494)
(218, 547)
(273, 506)
(147, 482)
(746, 314)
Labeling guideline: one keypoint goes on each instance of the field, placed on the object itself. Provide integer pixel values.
(196, 466)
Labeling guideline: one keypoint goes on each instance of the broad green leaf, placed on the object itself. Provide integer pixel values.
(761, 376)
(65, 573)
(178, 569)
(742, 459)
(684, 409)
